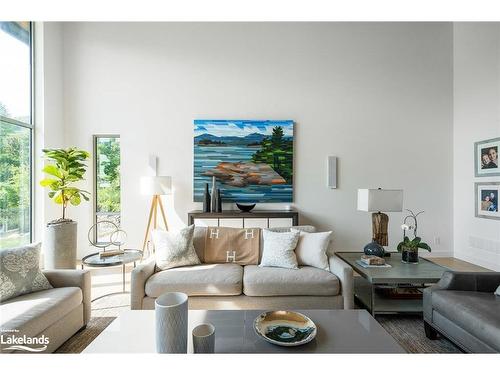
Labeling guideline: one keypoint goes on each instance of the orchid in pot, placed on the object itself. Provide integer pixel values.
(409, 248)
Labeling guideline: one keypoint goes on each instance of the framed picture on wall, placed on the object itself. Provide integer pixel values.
(486, 196)
(486, 158)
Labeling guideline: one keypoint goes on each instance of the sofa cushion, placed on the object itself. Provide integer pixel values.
(200, 280)
(32, 313)
(475, 312)
(304, 281)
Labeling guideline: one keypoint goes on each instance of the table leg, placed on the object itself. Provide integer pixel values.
(123, 277)
(372, 300)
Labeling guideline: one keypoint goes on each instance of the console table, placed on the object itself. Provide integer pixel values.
(239, 219)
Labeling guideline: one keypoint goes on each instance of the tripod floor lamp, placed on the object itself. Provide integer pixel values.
(155, 186)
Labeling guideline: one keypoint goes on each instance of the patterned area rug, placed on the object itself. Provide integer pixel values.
(407, 330)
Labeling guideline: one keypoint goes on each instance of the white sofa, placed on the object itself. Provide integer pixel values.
(56, 313)
(231, 286)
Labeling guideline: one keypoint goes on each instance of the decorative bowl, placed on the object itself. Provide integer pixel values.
(285, 328)
(245, 207)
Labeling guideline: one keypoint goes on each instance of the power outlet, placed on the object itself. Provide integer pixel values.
(437, 240)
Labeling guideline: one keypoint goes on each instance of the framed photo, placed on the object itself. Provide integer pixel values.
(486, 158)
(486, 196)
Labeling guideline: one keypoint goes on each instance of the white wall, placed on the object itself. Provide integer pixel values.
(476, 118)
(378, 96)
(49, 126)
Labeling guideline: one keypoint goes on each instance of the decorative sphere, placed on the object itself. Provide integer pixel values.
(373, 248)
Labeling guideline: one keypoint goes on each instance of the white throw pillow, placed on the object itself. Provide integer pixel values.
(312, 249)
(174, 249)
(279, 249)
(497, 292)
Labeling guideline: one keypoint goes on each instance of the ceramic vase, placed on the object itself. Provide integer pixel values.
(204, 339)
(219, 201)
(206, 199)
(214, 196)
(171, 314)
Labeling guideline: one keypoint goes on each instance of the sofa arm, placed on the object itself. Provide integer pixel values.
(140, 275)
(486, 282)
(344, 272)
(75, 278)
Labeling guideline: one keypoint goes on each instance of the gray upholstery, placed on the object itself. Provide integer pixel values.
(305, 281)
(200, 280)
(57, 313)
(463, 307)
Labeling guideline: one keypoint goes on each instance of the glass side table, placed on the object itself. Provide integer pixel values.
(94, 260)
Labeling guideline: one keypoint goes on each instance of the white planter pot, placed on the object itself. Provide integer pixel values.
(60, 245)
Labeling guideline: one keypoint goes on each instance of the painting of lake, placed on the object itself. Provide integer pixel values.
(252, 161)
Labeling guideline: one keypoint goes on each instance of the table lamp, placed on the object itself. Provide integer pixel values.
(155, 186)
(378, 201)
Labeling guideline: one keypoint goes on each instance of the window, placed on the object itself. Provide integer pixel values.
(107, 185)
(16, 127)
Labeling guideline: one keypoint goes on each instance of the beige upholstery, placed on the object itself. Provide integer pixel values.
(57, 313)
(344, 272)
(32, 313)
(270, 288)
(199, 280)
(139, 276)
(75, 278)
(243, 302)
(305, 281)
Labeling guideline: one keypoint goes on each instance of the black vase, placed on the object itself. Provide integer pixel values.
(409, 256)
(206, 200)
(219, 201)
(373, 248)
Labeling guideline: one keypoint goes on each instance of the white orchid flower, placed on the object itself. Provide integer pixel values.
(405, 227)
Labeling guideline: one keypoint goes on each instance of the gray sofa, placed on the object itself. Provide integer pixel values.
(462, 306)
(57, 313)
(231, 286)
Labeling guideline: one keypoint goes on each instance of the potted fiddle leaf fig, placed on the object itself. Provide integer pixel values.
(65, 168)
(409, 248)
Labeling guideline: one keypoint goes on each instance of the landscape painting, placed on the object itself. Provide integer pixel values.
(252, 161)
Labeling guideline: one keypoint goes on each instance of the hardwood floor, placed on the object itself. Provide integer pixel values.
(457, 264)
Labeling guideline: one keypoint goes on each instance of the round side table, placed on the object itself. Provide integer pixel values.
(95, 260)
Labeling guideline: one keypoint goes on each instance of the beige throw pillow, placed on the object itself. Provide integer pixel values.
(232, 245)
(279, 249)
(312, 249)
(174, 248)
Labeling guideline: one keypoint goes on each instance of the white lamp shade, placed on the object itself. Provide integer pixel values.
(156, 185)
(374, 200)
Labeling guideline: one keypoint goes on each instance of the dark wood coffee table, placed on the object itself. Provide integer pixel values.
(374, 288)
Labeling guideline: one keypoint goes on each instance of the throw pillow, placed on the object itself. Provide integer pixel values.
(279, 249)
(232, 245)
(497, 292)
(311, 249)
(20, 272)
(174, 249)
